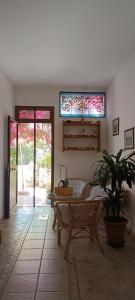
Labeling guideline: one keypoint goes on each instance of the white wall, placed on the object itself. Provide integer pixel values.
(6, 108)
(78, 162)
(121, 103)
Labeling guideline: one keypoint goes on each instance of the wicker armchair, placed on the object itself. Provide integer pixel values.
(77, 216)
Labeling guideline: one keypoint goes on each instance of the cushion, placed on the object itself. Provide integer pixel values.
(86, 190)
(97, 192)
(77, 184)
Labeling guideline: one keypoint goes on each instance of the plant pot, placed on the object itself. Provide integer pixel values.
(115, 230)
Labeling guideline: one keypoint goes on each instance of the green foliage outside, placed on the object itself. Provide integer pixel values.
(13, 157)
(25, 153)
(45, 162)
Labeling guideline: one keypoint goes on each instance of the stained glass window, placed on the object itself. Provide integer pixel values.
(34, 113)
(42, 114)
(26, 114)
(84, 105)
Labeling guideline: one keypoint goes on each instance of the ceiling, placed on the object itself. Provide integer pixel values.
(65, 42)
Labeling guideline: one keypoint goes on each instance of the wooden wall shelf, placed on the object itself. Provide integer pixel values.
(81, 135)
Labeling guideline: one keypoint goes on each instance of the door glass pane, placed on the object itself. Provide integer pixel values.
(25, 164)
(42, 114)
(26, 114)
(43, 162)
(13, 153)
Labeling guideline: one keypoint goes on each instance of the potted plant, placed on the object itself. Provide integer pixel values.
(113, 172)
(63, 182)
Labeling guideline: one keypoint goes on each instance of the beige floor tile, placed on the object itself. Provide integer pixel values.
(41, 217)
(19, 296)
(50, 223)
(39, 223)
(53, 253)
(24, 278)
(52, 282)
(30, 254)
(35, 236)
(50, 229)
(51, 236)
(53, 266)
(35, 229)
(22, 283)
(51, 296)
(14, 236)
(52, 244)
(26, 267)
(33, 244)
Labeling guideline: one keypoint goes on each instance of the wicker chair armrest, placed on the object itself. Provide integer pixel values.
(78, 201)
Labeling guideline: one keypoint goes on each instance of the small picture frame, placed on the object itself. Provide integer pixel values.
(115, 126)
(129, 138)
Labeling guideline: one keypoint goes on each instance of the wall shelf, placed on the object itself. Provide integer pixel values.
(81, 135)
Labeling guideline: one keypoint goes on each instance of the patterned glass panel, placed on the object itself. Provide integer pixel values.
(82, 105)
(42, 114)
(26, 114)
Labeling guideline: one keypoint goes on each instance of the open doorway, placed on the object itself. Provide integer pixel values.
(35, 155)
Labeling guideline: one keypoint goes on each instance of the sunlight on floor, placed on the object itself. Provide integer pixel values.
(25, 198)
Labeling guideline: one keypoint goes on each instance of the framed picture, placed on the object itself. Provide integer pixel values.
(115, 126)
(82, 104)
(129, 138)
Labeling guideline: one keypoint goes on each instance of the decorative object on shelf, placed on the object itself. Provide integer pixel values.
(63, 176)
(83, 131)
(129, 138)
(115, 126)
(113, 171)
(82, 104)
(81, 135)
(63, 182)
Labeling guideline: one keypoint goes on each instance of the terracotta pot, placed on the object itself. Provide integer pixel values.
(115, 231)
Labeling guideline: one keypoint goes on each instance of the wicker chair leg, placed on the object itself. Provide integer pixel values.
(91, 233)
(68, 241)
(59, 233)
(54, 221)
(129, 230)
(98, 241)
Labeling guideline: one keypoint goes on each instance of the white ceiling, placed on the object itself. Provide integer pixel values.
(65, 42)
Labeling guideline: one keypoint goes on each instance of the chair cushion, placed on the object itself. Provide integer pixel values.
(77, 185)
(86, 190)
(97, 192)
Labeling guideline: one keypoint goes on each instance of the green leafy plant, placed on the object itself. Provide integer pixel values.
(45, 162)
(112, 172)
(64, 182)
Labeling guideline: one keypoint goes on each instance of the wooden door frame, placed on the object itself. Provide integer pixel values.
(34, 121)
(7, 171)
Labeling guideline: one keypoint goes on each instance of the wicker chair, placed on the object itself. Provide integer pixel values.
(77, 216)
(81, 190)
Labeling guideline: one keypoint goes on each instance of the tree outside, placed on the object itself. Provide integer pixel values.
(26, 155)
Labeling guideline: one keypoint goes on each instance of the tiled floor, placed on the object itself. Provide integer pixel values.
(34, 267)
